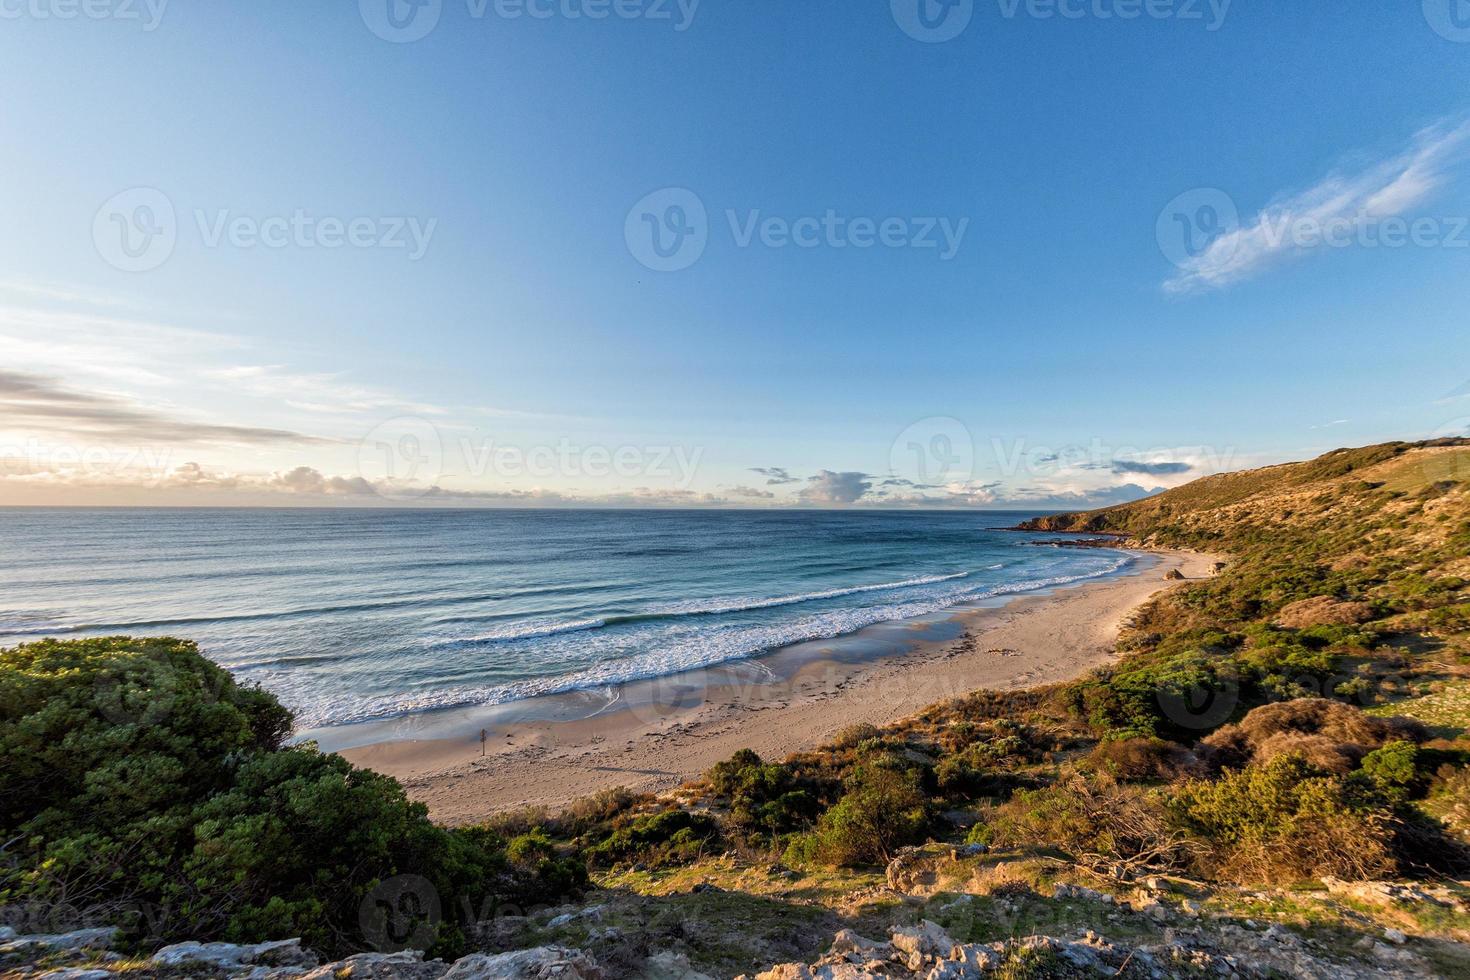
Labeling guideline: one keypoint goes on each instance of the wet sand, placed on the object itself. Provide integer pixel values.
(653, 735)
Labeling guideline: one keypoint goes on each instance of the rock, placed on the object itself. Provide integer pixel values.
(57, 942)
(1396, 936)
(593, 912)
(78, 973)
(1065, 891)
(407, 965)
(911, 871)
(847, 942)
(670, 965)
(540, 963)
(228, 956)
(1174, 575)
(927, 939)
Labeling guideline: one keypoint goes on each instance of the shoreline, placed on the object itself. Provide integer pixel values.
(659, 733)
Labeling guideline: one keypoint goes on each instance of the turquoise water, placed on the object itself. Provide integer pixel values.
(356, 615)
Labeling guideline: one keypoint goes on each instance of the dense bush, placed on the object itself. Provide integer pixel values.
(669, 836)
(1288, 820)
(884, 808)
(143, 785)
(1094, 820)
(1330, 735)
(764, 799)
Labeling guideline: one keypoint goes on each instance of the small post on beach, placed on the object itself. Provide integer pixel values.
(483, 735)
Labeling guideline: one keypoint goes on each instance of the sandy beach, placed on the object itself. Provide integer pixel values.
(658, 734)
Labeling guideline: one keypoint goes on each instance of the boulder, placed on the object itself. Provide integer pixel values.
(407, 965)
(229, 956)
(1174, 575)
(670, 965)
(60, 942)
(540, 963)
(924, 941)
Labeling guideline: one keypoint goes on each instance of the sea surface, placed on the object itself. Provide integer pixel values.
(356, 615)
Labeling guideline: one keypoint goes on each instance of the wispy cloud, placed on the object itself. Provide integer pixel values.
(30, 401)
(776, 475)
(1354, 199)
(1137, 467)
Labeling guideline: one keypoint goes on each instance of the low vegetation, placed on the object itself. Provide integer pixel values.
(143, 787)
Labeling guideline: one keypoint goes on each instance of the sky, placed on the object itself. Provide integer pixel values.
(730, 253)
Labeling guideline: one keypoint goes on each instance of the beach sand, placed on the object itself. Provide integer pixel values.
(658, 734)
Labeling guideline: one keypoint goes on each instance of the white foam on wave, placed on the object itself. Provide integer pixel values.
(529, 631)
(707, 648)
(539, 629)
(697, 607)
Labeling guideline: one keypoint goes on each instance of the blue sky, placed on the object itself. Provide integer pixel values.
(495, 329)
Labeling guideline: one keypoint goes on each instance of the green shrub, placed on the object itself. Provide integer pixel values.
(764, 799)
(883, 809)
(667, 837)
(1288, 819)
(1394, 770)
(140, 775)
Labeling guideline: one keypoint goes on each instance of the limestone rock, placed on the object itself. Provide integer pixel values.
(228, 956)
(59, 942)
(670, 965)
(540, 963)
(407, 965)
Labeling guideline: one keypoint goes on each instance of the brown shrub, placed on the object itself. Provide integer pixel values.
(851, 736)
(1324, 611)
(1097, 822)
(1284, 821)
(1329, 734)
(1137, 760)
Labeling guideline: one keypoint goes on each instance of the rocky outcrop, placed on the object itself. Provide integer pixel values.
(927, 952)
(542, 963)
(228, 956)
(85, 955)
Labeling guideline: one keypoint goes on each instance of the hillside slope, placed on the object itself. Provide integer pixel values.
(1331, 494)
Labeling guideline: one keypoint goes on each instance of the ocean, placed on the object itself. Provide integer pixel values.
(357, 615)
